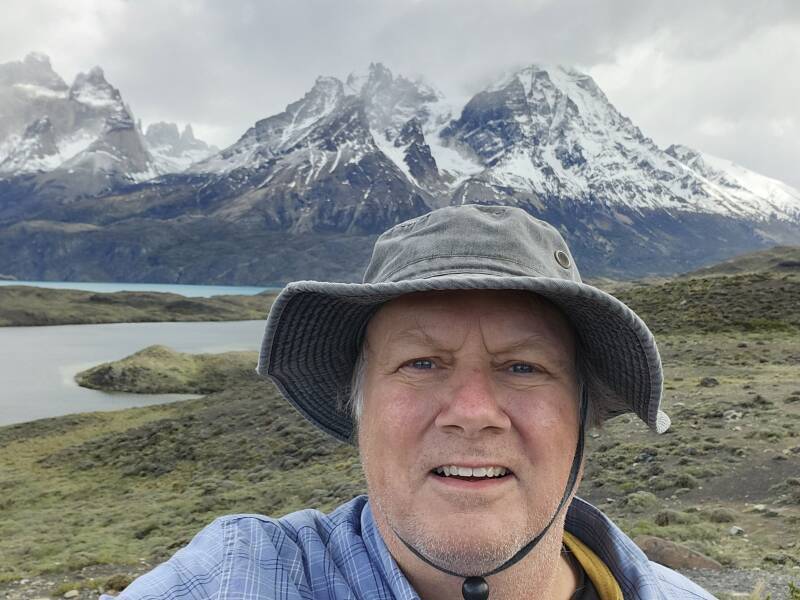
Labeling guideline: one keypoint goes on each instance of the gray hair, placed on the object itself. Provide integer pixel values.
(604, 403)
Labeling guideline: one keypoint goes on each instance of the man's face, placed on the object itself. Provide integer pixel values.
(476, 380)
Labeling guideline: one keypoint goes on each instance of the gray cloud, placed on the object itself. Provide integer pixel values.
(720, 75)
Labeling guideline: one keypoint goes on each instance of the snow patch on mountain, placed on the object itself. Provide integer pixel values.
(93, 90)
(456, 163)
(744, 190)
(40, 91)
(397, 154)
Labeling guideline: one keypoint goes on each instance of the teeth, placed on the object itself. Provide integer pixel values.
(450, 470)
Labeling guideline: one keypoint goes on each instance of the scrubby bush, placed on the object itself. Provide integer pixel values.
(722, 515)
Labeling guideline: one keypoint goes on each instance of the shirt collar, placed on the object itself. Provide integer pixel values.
(381, 557)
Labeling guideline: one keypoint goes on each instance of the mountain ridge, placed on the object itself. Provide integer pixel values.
(353, 157)
(79, 115)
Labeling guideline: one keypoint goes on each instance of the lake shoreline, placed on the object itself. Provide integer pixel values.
(27, 306)
(38, 364)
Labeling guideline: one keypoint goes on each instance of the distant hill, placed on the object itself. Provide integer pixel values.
(779, 259)
(22, 305)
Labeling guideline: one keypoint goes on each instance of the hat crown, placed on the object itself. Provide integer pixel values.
(471, 239)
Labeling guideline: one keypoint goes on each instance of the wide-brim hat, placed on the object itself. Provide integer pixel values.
(315, 329)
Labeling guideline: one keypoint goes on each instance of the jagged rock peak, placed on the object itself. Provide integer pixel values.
(379, 78)
(537, 79)
(37, 58)
(173, 150)
(188, 134)
(319, 101)
(34, 151)
(95, 76)
(378, 74)
(683, 153)
(321, 98)
(359, 83)
(168, 134)
(556, 96)
(162, 133)
(93, 89)
(327, 86)
(34, 69)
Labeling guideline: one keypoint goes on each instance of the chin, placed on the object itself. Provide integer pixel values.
(468, 545)
(468, 550)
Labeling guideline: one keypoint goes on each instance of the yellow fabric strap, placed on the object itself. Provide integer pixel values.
(604, 582)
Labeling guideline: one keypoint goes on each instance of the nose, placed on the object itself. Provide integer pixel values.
(470, 406)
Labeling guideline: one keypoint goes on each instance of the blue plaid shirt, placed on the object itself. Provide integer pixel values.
(339, 556)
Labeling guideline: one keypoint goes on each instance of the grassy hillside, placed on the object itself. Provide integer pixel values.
(777, 259)
(25, 305)
(85, 497)
(763, 301)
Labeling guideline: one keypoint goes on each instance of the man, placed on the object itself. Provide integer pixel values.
(466, 369)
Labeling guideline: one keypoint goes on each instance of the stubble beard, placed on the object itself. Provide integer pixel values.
(451, 549)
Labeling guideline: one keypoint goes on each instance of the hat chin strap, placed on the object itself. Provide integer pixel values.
(475, 587)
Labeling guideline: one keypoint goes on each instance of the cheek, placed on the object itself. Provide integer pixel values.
(396, 408)
(547, 426)
(392, 425)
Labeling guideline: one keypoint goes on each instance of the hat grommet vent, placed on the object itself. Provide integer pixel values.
(562, 258)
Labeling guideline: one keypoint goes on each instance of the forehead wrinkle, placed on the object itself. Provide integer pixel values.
(549, 324)
(421, 335)
(536, 342)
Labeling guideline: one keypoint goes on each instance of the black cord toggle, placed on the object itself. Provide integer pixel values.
(475, 588)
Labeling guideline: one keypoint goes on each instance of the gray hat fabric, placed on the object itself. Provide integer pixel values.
(314, 329)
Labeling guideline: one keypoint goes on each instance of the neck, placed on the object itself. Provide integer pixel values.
(544, 573)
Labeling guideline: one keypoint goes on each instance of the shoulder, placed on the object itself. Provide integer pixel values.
(677, 586)
(638, 576)
(234, 549)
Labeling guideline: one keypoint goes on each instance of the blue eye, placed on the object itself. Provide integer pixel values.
(522, 368)
(421, 363)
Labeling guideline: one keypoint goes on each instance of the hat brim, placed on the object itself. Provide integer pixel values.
(314, 330)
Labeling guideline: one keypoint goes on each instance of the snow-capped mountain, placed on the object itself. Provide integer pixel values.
(538, 135)
(82, 135)
(315, 166)
(174, 150)
(351, 158)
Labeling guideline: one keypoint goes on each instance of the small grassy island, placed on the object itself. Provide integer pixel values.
(89, 501)
(161, 370)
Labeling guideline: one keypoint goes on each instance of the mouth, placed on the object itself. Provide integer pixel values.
(473, 474)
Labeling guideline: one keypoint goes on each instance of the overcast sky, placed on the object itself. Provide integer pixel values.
(721, 76)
